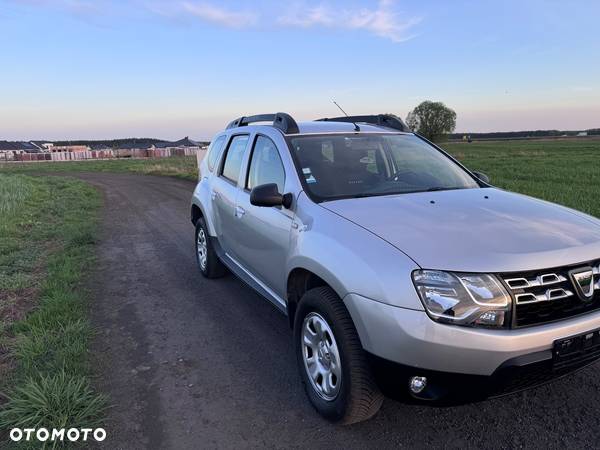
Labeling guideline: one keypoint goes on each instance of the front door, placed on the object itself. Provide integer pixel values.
(266, 231)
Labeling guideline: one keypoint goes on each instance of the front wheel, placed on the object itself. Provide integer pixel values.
(333, 365)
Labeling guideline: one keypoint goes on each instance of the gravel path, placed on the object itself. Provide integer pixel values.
(194, 363)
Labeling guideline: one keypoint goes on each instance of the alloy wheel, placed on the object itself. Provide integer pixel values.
(201, 248)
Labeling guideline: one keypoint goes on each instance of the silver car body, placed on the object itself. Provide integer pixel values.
(367, 248)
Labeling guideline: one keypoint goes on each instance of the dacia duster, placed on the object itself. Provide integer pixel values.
(400, 270)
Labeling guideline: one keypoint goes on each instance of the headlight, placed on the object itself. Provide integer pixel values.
(468, 299)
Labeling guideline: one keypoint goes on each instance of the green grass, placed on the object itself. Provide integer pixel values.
(176, 166)
(561, 171)
(47, 234)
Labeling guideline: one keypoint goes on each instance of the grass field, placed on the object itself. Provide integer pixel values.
(47, 234)
(176, 166)
(562, 171)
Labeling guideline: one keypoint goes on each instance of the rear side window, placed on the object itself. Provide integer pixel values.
(234, 158)
(214, 151)
(266, 166)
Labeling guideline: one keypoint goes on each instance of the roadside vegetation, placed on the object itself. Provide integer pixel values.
(176, 166)
(47, 234)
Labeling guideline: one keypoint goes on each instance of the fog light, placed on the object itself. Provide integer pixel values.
(417, 384)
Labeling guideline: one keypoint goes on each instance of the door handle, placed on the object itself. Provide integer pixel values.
(239, 211)
(214, 195)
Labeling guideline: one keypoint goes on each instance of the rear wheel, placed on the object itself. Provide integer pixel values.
(333, 365)
(208, 262)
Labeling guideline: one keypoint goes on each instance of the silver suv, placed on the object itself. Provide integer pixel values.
(401, 272)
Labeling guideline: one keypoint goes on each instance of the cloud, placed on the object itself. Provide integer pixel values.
(384, 21)
(219, 15)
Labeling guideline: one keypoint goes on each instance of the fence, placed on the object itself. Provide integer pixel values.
(105, 154)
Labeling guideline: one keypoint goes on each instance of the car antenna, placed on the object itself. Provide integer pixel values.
(356, 127)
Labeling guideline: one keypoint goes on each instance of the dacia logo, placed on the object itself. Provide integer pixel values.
(583, 280)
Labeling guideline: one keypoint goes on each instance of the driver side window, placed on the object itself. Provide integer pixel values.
(265, 165)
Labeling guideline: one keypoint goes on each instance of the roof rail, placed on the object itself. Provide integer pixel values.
(282, 121)
(382, 120)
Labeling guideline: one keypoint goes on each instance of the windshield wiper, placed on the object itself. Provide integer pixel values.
(440, 188)
(363, 195)
(396, 192)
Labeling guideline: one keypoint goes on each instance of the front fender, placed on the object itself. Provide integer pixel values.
(349, 258)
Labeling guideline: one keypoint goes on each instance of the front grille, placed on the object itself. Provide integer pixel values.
(550, 295)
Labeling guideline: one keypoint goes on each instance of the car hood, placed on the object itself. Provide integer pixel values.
(477, 230)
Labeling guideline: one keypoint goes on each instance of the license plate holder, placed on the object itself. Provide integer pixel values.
(576, 349)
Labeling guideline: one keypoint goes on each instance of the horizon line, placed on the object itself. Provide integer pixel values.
(205, 139)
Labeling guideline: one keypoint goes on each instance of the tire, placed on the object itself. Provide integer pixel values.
(210, 265)
(353, 396)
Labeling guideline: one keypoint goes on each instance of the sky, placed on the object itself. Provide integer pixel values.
(99, 69)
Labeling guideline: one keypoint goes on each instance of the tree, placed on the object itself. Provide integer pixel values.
(432, 120)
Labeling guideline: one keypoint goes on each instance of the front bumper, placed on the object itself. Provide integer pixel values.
(410, 338)
(452, 388)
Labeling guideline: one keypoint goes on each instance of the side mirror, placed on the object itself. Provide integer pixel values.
(268, 195)
(482, 177)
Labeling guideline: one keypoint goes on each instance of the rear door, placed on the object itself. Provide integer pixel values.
(225, 191)
(264, 232)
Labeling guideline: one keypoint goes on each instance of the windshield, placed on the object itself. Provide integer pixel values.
(343, 166)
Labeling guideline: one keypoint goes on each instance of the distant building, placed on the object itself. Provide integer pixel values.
(582, 133)
(125, 148)
(8, 149)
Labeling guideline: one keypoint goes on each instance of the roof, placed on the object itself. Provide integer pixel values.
(40, 144)
(374, 123)
(341, 127)
(185, 142)
(30, 148)
(329, 127)
(18, 145)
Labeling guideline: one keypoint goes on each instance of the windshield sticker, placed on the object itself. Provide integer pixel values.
(308, 176)
(367, 160)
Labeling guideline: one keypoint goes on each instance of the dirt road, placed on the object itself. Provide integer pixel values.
(193, 363)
